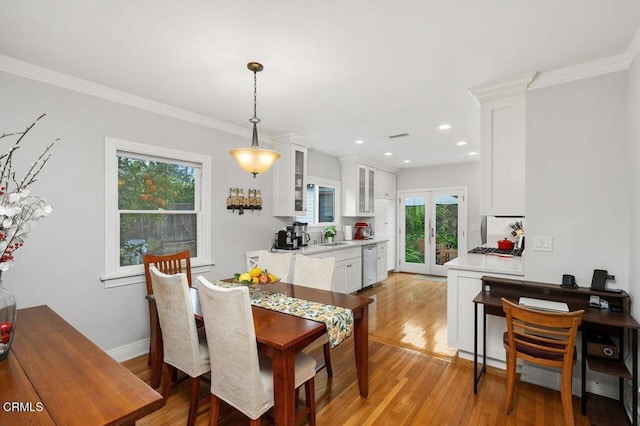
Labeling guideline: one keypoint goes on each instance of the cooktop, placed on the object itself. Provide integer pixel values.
(485, 250)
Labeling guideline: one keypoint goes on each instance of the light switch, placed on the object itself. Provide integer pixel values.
(543, 243)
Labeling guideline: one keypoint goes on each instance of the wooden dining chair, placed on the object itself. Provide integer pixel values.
(316, 273)
(239, 376)
(185, 347)
(545, 338)
(169, 264)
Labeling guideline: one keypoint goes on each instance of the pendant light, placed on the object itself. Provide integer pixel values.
(254, 159)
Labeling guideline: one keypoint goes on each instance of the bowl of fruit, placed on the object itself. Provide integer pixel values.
(256, 275)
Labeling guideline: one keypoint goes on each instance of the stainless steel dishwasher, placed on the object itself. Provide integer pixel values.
(369, 265)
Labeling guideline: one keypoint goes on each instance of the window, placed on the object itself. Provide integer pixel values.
(157, 203)
(322, 202)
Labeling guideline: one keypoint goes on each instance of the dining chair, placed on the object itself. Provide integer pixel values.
(169, 264)
(545, 338)
(278, 264)
(316, 273)
(239, 376)
(185, 347)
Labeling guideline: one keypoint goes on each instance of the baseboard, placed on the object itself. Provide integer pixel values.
(129, 351)
(549, 378)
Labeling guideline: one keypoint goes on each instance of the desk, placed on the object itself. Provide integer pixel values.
(62, 378)
(281, 336)
(576, 299)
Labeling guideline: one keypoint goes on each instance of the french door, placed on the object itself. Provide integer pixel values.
(431, 229)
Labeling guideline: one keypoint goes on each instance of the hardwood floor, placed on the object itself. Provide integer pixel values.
(414, 377)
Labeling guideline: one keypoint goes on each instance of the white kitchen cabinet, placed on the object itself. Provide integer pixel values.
(385, 185)
(290, 176)
(385, 228)
(462, 288)
(502, 162)
(382, 273)
(358, 188)
(348, 274)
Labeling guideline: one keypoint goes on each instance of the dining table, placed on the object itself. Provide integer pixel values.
(281, 336)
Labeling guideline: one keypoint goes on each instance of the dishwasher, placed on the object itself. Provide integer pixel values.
(369, 265)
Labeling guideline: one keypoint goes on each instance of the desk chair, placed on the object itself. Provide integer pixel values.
(278, 264)
(169, 264)
(185, 348)
(239, 376)
(316, 273)
(544, 338)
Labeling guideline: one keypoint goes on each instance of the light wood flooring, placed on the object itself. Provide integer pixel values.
(414, 377)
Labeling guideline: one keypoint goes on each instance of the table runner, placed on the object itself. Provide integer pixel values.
(338, 320)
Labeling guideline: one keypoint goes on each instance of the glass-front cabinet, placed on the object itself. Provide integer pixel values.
(358, 188)
(290, 176)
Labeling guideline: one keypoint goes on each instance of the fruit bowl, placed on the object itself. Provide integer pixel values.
(256, 275)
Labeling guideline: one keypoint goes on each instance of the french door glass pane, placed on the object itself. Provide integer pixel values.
(446, 228)
(414, 228)
(156, 233)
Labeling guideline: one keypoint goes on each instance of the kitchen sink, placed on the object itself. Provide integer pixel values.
(333, 244)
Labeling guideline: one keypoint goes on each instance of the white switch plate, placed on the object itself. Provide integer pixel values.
(543, 243)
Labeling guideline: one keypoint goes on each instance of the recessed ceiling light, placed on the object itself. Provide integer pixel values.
(444, 126)
(461, 143)
(388, 154)
(359, 141)
(406, 161)
(473, 153)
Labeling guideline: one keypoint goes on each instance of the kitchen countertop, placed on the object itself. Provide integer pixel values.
(491, 264)
(341, 245)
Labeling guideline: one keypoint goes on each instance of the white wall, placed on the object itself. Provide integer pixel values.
(634, 167)
(62, 261)
(449, 175)
(577, 179)
(323, 165)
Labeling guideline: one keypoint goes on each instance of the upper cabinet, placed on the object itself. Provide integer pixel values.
(358, 188)
(385, 185)
(290, 175)
(502, 166)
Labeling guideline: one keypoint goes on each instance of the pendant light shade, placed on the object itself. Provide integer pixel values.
(254, 160)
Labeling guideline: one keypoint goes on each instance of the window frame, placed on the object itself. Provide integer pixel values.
(116, 275)
(328, 183)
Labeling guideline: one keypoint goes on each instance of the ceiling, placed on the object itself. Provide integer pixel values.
(335, 71)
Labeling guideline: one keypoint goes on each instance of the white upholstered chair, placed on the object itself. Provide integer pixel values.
(239, 376)
(184, 347)
(316, 273)
(278, 263)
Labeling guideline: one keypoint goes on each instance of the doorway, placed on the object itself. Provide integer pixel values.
(431, 229)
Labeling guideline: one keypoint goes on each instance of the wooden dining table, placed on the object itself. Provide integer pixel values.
(56, 376)
(281, 336)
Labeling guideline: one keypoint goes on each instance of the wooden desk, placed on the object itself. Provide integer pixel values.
(62, 378)
(576, 299)
(280, 336)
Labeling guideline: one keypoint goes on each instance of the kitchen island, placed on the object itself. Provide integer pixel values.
(464, 282)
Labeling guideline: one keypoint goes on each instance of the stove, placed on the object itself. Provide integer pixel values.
(485, 250)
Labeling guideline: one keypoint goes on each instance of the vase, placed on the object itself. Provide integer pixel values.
(7, 320)
(329, 239)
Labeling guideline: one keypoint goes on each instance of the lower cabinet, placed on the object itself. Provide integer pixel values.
(382, 273)
(348, 274)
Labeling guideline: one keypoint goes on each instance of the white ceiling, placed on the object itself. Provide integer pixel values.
(335, 71)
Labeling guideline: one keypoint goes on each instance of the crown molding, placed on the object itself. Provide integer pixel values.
(577, 72)
(55, 78)
(502, 88)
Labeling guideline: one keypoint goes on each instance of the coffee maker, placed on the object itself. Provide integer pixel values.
(285, 239)
(300, 233)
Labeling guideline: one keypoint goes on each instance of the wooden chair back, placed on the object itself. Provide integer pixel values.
(169, 264)
(542, 337)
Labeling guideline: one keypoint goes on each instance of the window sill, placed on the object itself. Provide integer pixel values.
(119, 280)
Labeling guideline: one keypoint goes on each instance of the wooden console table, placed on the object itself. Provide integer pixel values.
(56, 376)
(594, 319)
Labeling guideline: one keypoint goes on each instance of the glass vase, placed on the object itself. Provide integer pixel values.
(7, 320)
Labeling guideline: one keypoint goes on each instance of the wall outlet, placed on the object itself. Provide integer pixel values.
(542, 243)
